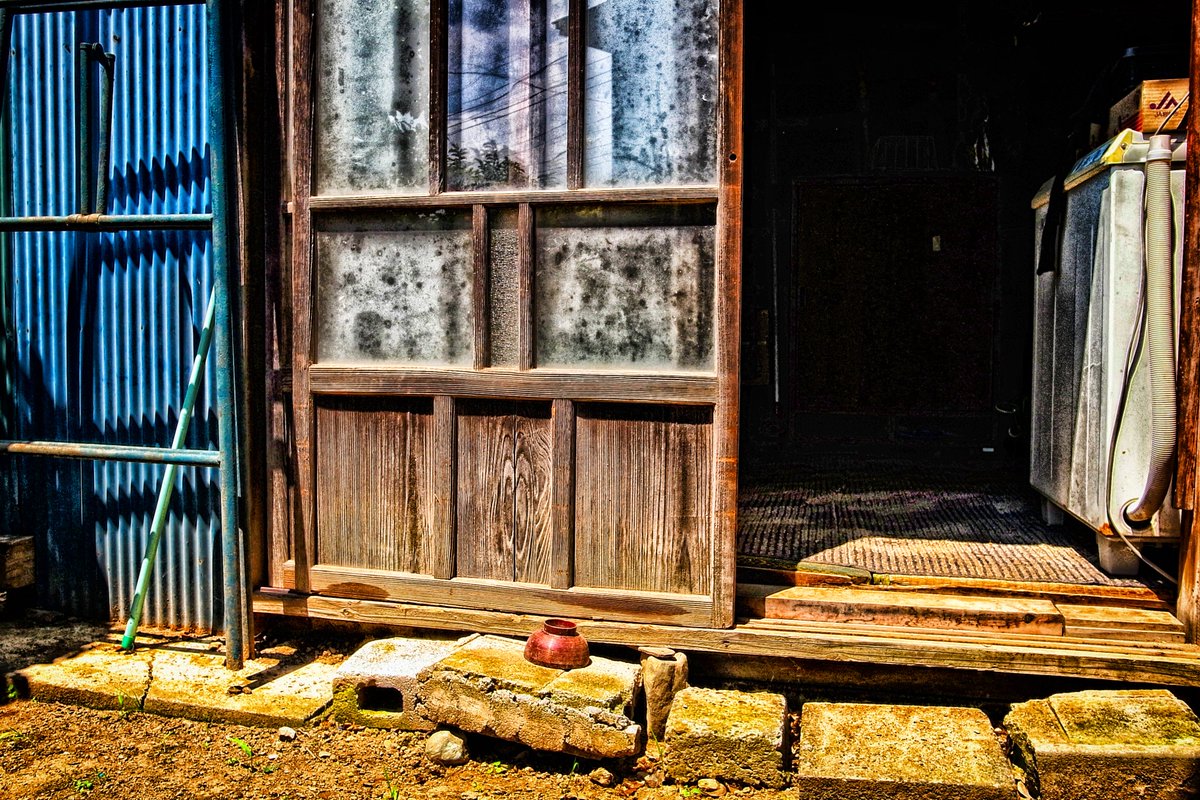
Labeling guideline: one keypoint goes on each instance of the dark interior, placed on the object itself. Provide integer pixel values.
(888, 262)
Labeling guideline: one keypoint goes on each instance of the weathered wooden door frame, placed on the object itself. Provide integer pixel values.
(719, 392)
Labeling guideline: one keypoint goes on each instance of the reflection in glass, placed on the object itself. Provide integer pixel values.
(650, 100)
(623, 286)
(395, 288)
(507, 94)
(372, 97)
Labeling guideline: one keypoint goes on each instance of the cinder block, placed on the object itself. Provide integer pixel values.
(376, 687)
(1108, 745)
(727, 735)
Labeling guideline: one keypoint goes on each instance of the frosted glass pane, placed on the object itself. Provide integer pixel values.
(396, 289)
(504, 289)
(650, 98)
(372, 96)
(625, 287)
(507, 94)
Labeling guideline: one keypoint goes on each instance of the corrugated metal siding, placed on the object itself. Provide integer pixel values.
(109, 323)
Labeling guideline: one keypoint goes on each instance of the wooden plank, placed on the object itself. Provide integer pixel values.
(729, 309)
(525, 301)
(619, 387)
(1076, 594)
(480, 247)
(562, 514)
(438, 67)
(466, 593)
(828, 643)
(485, 491)
(667, 194)
(16, 562)
(439, 547)
(533, 533)
(643, 513)
(1108, 617)
(855, 606)
(374, 483)
(576, 79)
(805, 574)
(1123, 634)
(305, 521)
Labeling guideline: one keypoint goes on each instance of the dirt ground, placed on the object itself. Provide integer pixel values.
(49, 750)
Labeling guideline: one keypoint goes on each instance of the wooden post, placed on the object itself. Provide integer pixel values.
(1188, 605)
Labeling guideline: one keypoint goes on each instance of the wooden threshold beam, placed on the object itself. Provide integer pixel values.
(659, 195)
(1172, 666)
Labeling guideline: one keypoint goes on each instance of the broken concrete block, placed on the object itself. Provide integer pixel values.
(376, 687)
(665, 673)
(1108, 744)
(731, 736)
(486, 686)
(858, 751)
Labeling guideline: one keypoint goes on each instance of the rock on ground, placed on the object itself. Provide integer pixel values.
(733, 736)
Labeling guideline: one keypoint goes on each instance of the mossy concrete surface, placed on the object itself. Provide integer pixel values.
(99, 676)
(727, 735)
(853, 751)
(361, 683)
(1102, 745)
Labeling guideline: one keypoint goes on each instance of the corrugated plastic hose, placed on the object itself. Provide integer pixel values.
(1160, 334)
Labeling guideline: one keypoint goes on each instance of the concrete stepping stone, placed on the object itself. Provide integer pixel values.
(1102, 745)
(727, 735)
(852, 751)
(486, 686)
(376, 687)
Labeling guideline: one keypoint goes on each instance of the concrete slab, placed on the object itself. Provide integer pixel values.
(1108, 744)
(268, 691)
(486, 686)
(376, 687)
(851, 751)
(100, 676)
(604, 683)
(727, 735)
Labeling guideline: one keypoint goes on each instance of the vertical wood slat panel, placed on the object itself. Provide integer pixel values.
(480, 248)
(375, 483)
(562, 515)
(575, 92)
(504, 491)
(643, 505)
(304, 523)
(525, 300)
(438, 67)
(729, 314)
(439, 546)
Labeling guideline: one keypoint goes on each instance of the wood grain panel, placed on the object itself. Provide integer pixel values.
(375, 483)
(562, 514)
(663, 194)
(504, 491)
(643, 510)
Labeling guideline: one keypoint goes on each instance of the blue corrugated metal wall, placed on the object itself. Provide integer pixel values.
(107, 324)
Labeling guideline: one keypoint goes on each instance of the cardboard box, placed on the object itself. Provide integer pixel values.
(1145, 108)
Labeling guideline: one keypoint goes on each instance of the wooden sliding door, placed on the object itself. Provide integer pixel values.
(515, 287)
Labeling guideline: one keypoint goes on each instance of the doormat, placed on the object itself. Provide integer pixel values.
(897, 516)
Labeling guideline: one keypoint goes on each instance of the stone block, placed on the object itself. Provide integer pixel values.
(376, 687)
(728, 735)
(101, 676)
(486, 686)
(1103, 745)
(855, 751)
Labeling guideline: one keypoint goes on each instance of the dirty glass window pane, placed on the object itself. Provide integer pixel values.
(625, 287)
(372, 97)
(395, 288)
(650, 97)
(507, 94)
(503, 288)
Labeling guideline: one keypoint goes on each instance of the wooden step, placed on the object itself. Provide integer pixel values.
(1133, 624)
(915, 609)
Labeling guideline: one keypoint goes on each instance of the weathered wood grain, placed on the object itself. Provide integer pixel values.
(481, 279)
(485, 491)
(729, 313)
(374, 493)
(479, 593)
(16, 562)
(439, 546)
(1120, 618)
(674, 195)
(576, 80)
(562, 514)
(533, 534)
(438, 68)
(828, 642)
(525, 309)
(643, 511)
(533, 385)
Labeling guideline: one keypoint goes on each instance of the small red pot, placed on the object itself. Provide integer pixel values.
(557, 645)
